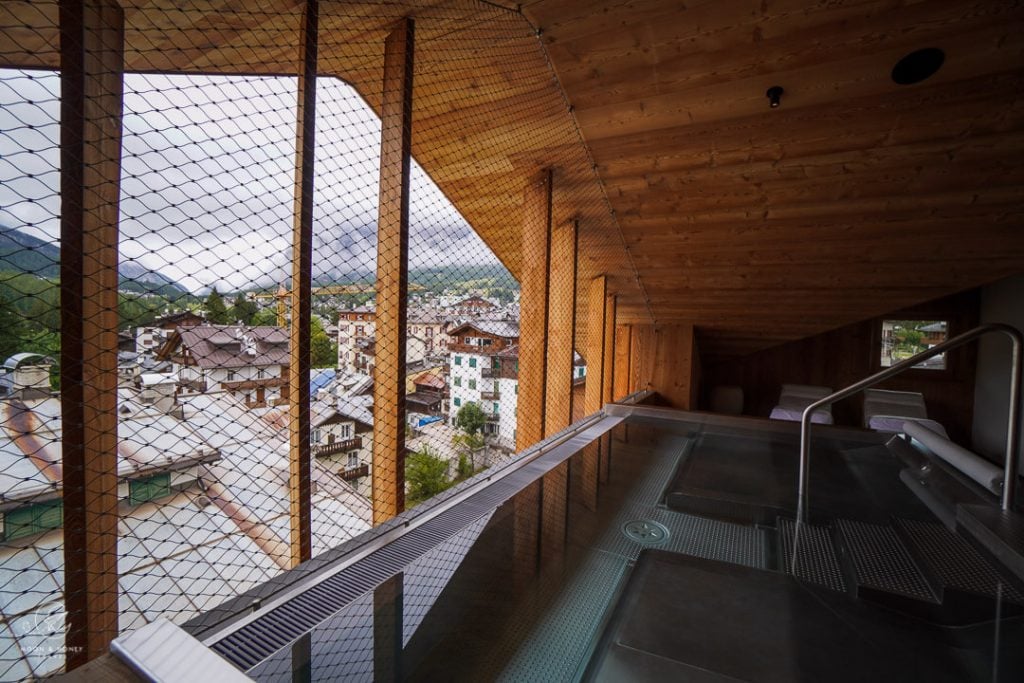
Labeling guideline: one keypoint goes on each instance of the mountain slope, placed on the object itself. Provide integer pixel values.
(23, 253)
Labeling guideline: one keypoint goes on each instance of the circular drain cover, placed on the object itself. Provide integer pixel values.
(645, 531)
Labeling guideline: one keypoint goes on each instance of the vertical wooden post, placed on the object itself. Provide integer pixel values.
(533, 343)
(596, 310)
(534, 312)
(91, 70)
(622, 373)
(561, 330)
(302, 279)
(392, 275)
(607, 381)
(558, 383)
(623, 353)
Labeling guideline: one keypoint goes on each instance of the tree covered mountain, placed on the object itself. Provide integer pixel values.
(23, 253)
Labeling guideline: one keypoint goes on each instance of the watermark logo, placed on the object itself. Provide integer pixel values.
(42, 633)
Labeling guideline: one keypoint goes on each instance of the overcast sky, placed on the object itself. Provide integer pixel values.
(207, 179)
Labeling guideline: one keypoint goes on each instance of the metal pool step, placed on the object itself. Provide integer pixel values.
(920, 568)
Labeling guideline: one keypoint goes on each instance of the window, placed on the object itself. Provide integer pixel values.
(359, 330)
(472, 362)
(472, 384)
(315, 436)
(458, 381)
(468, 340)
(495, 408)
(458, 360)
(582, 371)
(516, 387)
(487, 342)
(150, 488)
(261, 373)
(458, 402)
(496, 364)
(901, 339)
(346, 431)
(231, 375)
(353, 459)
(33, 519)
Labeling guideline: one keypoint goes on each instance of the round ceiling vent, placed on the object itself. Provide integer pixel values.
(646, 532)
(918, 65)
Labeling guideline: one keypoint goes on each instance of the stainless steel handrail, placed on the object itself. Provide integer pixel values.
(1010, 471)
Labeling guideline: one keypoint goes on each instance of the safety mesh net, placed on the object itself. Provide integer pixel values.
(189, 183)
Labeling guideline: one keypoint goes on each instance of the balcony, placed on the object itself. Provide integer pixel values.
(321, 450)
(490, 373)
(490, 395)
(351, 473)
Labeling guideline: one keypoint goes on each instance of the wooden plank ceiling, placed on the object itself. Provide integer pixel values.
(854, 197)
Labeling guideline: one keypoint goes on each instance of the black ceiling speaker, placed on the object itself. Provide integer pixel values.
(918, 65)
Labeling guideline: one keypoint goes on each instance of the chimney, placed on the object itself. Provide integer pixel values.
(30, 375)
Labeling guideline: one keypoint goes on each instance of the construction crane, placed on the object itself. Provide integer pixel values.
(283, 295)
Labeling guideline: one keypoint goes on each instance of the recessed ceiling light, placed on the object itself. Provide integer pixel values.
(918, 65)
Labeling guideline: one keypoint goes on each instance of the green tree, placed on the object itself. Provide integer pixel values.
(12, 329)
(426, 474)
(216, 311)
(265, 316)
(242, 309)
(471, 418)
(323, 351)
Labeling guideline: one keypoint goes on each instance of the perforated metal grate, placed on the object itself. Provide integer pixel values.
(882, 562)
(955, 562)
(816, 560)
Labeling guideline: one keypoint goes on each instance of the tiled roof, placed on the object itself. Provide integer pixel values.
(232, 346)
(178, 555)
(499, 328)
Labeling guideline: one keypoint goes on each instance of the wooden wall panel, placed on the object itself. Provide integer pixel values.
(673, 373)
(664, 359)
(642, 360)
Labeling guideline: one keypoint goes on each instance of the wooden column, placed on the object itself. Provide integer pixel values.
(392, 275)
(302, 259)
(622, 372)
(596, 296)
(623, 354)
(91, 69)
(533, 342)
(607, 379)
(558, 383)
(534, 311)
